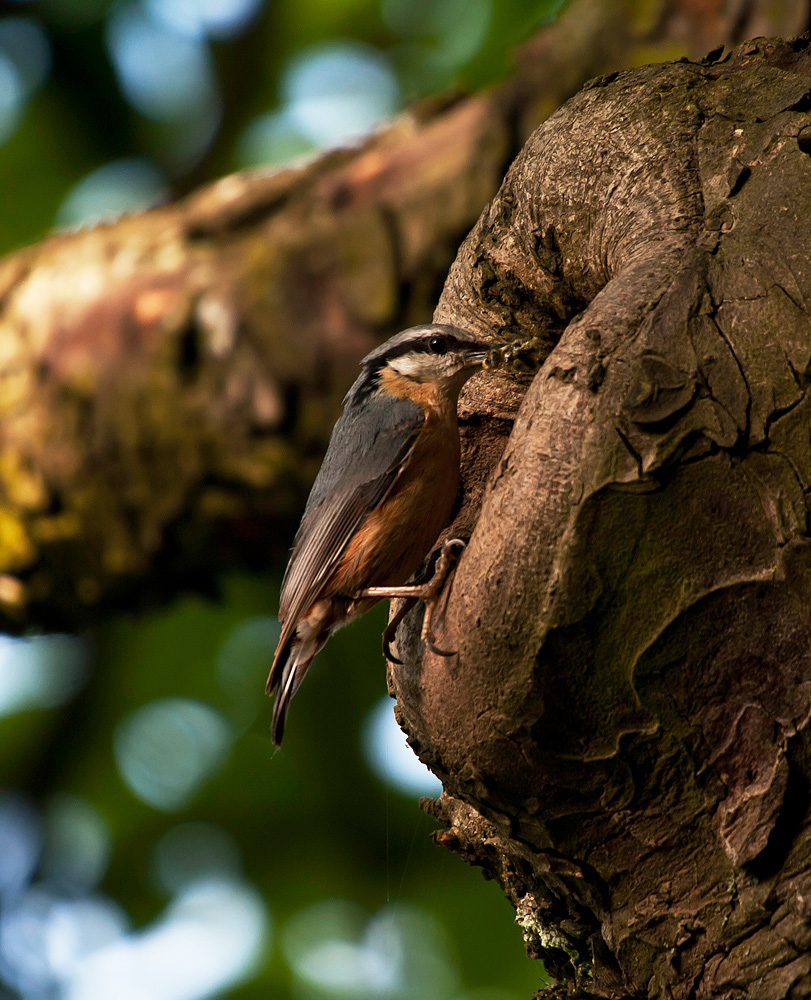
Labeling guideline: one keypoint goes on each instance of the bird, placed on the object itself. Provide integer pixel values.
(385, 492)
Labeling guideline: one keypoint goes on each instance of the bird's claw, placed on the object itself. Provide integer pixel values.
(390, 633)
(390, 657)
(429, 642)
(428, 592)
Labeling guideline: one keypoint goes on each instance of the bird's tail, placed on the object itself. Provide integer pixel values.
(291, 662)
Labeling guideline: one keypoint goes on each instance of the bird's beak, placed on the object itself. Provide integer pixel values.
(486, 350)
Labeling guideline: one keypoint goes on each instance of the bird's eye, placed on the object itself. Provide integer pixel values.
(437, 345)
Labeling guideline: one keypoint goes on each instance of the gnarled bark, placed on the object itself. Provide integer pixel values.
(623, 736)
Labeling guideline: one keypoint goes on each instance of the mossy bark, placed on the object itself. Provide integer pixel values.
(623, 735)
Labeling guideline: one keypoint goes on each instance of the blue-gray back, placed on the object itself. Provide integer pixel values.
(369, 448)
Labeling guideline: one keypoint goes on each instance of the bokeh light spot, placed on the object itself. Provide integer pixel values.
(41, 672)
(211, 937)
(164, 74)
(11, 98)
(26, 45)
(168, 748)
(78, 927)
(190, 852)
(77, 846)
(416, 945)
(43, 938)
(391, 758)
(271, 140)
(216, 18)
(400, 952)
(338, 92)
(243, 663)
(20, 843)
(111, 190)
(330, 926)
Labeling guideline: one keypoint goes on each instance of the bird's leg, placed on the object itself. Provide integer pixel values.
(428, 592)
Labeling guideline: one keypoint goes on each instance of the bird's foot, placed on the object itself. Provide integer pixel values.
(429, 592)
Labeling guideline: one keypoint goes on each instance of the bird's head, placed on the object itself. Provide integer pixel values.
(444, 356)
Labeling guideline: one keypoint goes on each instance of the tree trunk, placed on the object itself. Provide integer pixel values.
(623, 735)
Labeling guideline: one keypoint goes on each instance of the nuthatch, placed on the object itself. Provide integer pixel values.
(385, 491)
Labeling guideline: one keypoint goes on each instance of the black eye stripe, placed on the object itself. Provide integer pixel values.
(418, 346)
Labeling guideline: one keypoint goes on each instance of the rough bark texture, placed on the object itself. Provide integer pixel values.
(623, 736)
(162, 377)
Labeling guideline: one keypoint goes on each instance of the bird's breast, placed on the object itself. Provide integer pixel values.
(398, 535)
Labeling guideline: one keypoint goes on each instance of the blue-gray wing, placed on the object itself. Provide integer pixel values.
(369, 448)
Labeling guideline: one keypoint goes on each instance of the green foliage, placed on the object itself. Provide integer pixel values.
(327, 851)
